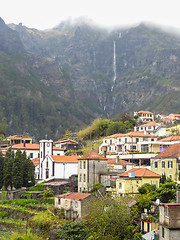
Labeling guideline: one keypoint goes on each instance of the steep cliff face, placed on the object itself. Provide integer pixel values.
(26, 100)
(64, 77)
(123, 69)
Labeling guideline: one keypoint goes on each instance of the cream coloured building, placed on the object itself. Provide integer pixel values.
(129, 181)
(90, 167)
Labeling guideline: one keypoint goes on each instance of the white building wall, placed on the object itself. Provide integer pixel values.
(65, 170)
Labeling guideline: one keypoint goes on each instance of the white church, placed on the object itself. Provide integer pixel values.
(58, 166)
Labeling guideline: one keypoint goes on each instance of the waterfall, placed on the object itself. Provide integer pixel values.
(114, 66)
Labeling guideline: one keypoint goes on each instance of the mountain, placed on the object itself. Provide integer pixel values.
(28, 103)
(66, 76)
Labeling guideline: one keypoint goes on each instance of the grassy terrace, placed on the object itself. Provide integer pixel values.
(27, 218)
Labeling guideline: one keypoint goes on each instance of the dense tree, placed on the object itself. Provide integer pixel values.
(1, 169)
(17, 170)
(74, 231)
(110, 219)
(8, 162)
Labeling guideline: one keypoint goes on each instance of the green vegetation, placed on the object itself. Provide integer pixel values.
(110, 219)
(105, 127)
(17, 170)
(74, 231)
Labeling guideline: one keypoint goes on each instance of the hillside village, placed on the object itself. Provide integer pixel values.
(125, 163)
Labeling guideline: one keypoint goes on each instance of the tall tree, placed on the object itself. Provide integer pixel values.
(1, 169)
(8, 162)
(17, 170)
(110, 219)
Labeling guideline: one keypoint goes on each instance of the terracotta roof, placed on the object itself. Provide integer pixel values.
(140, 172)
(35, 161)
(116, 135)
(152, 123)
(92, 155)
(121, 162)
(62, 159)
(58, 149)
(18, 136)
(145, 112)
(32, 146)
(170, 139)
(139, 134)
(75, 196)
(172, 151)
(171, 204)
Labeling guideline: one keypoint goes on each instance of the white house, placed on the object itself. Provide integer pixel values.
(154, 128)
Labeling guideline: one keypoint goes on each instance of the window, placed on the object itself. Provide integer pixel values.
(120, 185)
(84, 164)
(111, 141)
(152, 139)
(66, 203)
(84, 177)
(80, 178)
(59, 201)
(31, 155)
(110, 148)
(119, 140)
(141, 128)
(80, 189)
(115, 148)
(155, 164)
(170, 176)
(105, 141)
(47, 164)
(41, 154)
(149, 127)
(80, 164)
(170, 164)
(162, 164)
(137, 140)
(125, 140)
(179, 167)
(72, 204)
(76, 178)
(38, 155)
(163, 232)
(76, 204)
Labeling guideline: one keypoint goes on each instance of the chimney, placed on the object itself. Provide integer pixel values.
(24, 143)
(117, 159)
(105, 153)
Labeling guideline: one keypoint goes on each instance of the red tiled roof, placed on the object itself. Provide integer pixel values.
(172, 151)
(139, 134)
(145, 112)
(121, 162)
(170, 139)
(75, 196)
(152, 123)
(62, 159)
(32, 146)
(92, 155)
(18, 136)
(35, 161)
(171, 204)
(116, 135)
(58, 149)
(140, 172)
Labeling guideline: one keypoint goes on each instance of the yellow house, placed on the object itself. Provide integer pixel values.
(129, 181)
(168, 162)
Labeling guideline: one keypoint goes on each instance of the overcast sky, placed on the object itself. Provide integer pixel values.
(44, 14)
